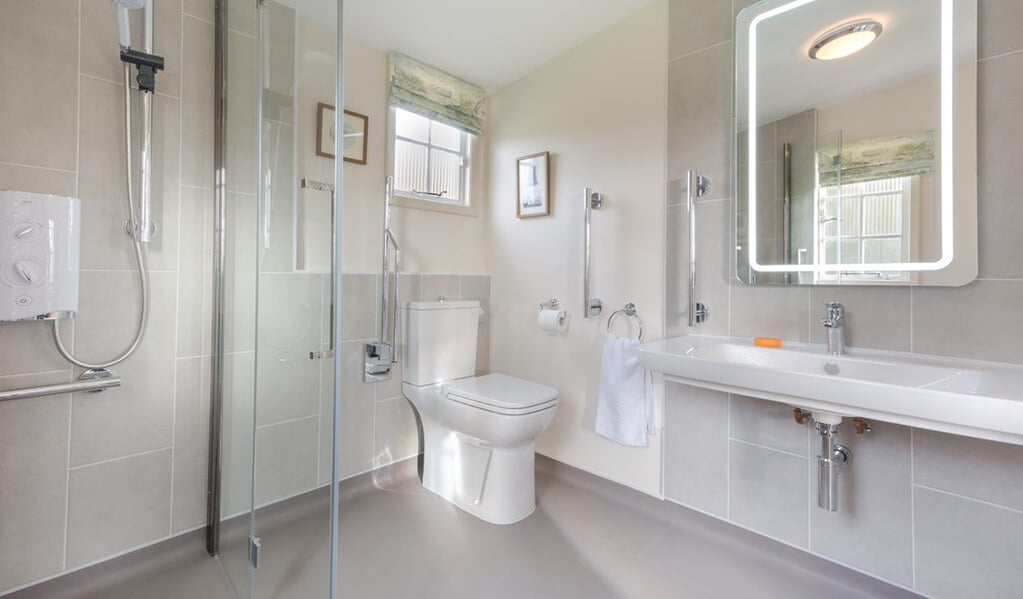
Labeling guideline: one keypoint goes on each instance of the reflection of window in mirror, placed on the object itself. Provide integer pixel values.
(868, 222)
(432, 160)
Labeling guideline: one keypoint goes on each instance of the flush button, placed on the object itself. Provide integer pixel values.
(23, 300)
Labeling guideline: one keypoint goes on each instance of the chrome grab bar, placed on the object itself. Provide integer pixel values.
(87, 385)
(697, 186)
(329, 188)
(592, 200)
(382, 355)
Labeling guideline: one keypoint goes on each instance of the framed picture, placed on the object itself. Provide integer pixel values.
(355, 137)
(533, 185)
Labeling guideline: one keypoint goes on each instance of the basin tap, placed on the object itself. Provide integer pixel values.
(834, 324)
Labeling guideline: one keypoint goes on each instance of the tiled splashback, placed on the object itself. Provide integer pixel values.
(937, 513)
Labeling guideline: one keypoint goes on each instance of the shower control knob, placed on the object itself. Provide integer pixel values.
(24, 232)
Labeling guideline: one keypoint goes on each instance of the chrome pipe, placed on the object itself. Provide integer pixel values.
(833, 458)
(90, 386)
(145, 230)
(213, 485)
(592, 306)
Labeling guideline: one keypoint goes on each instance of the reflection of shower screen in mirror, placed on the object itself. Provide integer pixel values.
(860, 169)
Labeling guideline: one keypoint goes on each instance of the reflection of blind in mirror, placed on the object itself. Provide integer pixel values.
(866, 222)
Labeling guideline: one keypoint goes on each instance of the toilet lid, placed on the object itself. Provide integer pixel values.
(502, 391)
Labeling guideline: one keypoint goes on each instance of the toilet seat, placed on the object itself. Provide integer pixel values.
(502, 394)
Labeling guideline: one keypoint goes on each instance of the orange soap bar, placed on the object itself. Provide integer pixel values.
(767, 342)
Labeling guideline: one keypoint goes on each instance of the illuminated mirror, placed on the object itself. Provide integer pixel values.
(856, 142)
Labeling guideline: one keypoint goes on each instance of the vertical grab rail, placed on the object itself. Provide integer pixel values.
(334, 271)
(592, 200)
(382, 354)
(697, 186)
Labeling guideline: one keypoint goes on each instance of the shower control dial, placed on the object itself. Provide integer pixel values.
(25, 232)
(24, 272)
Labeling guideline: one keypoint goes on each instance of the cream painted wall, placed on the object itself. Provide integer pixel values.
(431, 241)
(600, 110)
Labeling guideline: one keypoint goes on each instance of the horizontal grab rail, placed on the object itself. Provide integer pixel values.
(61, 388)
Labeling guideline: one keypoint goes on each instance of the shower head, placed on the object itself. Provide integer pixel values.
(123, 6)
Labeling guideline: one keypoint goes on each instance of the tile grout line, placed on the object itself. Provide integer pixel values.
(119, 458)
(71, 397)
(1002, 55)
(703, 49)
(287, 421)
(780, 451)
(990, 504)
(177, 279)
(46, 168)
(912, 506)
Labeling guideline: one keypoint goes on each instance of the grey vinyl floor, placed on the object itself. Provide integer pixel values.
(589, 538)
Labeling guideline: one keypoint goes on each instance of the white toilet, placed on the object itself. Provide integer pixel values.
(478, 432)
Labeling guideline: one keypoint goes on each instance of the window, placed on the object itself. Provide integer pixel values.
(431, 160)
(866, 222)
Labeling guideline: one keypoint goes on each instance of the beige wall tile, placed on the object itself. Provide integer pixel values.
(195, 275)
(781, 312)
(101, 53)
(872, 529)
(191, 443)
(33, 468)
(766, 423)
(105, 245)
(977, 321)
(40, 118)
(118, 505)
(699, 117)
(696, 24)
(696, 448)
(138, 416)
(396, 434)
(999, 154)
(197, 101)
(999, 27)
(768, 492)
(361, 302)
(285, 459)
(37, 180)
(965, 548)
(435, 286)
(975, 468)
(236, 461)
(877, 318)
(200, 9)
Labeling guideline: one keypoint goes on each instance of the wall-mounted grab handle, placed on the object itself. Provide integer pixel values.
(697, 186)
(592, 200)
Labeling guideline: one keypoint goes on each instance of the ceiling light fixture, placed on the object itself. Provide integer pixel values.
(845, 40)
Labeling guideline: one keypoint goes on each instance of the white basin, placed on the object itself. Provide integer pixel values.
(965, 397)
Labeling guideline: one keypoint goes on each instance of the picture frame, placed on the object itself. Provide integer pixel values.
(356, 134)
(533, 185)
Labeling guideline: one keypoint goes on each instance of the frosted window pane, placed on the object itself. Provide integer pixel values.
(446, 137)
(411, 125)
(882, 251)
(445, 174)
(409, 166)
(882, 214)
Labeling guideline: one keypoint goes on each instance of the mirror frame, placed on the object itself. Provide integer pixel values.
(958, 168)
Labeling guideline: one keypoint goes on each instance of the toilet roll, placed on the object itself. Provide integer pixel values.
(553, 321)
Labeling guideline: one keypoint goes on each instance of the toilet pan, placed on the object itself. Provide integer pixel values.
(479, 435)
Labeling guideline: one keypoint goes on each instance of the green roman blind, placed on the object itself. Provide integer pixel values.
(879, 158)
(432, 93)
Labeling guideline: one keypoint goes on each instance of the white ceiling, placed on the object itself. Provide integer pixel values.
(790, 82)
(487, 42)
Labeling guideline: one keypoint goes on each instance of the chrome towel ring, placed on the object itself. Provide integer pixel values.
(628, 310)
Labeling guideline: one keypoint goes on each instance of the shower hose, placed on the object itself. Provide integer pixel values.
(139, 255)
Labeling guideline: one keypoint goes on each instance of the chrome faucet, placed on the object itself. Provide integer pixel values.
(834, 323)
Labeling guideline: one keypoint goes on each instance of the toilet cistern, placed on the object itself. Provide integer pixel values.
(834, 324)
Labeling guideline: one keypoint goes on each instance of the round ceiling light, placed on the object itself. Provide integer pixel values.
(845, 40)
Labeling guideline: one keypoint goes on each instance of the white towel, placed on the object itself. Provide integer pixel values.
(625, 406)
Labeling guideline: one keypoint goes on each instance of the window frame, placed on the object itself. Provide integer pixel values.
(469, 173)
